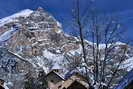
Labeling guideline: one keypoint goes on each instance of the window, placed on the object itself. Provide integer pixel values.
(52, 81)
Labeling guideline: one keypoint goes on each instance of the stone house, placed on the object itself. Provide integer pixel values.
(56, 81)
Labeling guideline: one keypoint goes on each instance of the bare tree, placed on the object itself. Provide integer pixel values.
(104, 32)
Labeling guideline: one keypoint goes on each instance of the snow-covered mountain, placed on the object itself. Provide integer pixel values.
(37, 37)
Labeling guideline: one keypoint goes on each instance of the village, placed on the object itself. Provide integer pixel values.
(56, 80)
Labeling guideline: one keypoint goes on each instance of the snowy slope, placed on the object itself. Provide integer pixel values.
(128, 64)
(7, 35)
(23, 13)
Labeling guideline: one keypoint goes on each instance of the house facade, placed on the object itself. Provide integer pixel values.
(54, 79)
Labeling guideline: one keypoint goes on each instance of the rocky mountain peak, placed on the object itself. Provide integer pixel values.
(33, 29)
(38, 38)
(40, 9)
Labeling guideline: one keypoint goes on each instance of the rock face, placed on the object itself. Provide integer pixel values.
(13, 68)
(40, 41)
(39, 35)
(34, 29)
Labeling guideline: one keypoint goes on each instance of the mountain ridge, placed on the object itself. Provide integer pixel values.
(58, 29)
(40, 40)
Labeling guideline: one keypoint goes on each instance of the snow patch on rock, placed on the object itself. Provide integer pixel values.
(128, 64)
(52, 56)
(7, 35)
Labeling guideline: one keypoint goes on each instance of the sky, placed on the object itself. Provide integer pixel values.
(62, 9)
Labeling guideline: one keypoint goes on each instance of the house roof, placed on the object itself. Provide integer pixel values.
(73, 79)
(2, 80)
(126, 80)
(56, 74)
(72, 73)
(77, 85)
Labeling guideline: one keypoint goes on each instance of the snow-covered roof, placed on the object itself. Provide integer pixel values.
(56, 74)
(74, 78)
(72, 73)
(5, 86)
